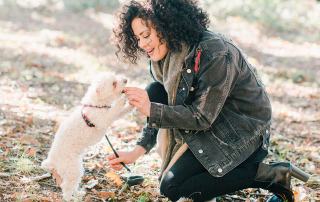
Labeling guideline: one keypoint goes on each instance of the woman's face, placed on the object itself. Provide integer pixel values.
(148, 39)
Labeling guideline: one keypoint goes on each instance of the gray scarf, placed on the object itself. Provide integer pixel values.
(168, 72)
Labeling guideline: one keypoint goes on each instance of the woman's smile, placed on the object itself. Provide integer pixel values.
(150, 52)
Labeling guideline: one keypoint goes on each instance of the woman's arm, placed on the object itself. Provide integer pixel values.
(216, 78)
(126, 157)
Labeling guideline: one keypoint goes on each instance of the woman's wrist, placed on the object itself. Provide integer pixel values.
(138, 151)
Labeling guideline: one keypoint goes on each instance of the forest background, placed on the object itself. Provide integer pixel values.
(50, 50)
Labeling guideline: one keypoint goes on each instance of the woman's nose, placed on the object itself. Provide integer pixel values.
(143, 43)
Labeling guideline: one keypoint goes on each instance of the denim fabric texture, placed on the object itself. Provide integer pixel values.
(222, 110)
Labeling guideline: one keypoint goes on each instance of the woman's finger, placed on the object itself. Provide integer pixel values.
(138, 94)
(117, 167)
(130, 89)
(135, 98)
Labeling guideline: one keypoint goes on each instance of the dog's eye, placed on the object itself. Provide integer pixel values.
(115, 84)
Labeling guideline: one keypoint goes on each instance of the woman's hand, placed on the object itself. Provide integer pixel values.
(139, 98)
(126, 157)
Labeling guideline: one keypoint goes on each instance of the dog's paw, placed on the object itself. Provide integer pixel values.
(122, 102)
(80, 193)
(67, 197)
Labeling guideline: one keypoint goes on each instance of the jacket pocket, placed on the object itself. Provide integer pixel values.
(224, 131)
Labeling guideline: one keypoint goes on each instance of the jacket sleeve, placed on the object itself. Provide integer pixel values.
(216, 76)
(148, 138)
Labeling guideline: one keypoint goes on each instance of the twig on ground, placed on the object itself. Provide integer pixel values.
(46, 175)
(4, 174)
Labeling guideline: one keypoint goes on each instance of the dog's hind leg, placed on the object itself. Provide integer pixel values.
(71, 179)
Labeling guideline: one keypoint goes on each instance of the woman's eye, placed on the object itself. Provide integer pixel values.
(147, 36)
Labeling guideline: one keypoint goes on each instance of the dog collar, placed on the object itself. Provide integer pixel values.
(85, 118)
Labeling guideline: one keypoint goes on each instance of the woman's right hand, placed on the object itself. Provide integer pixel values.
(126, 157)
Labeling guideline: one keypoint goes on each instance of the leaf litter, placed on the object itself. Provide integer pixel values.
(44, 75)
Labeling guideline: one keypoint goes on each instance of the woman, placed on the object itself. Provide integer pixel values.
(207, 109)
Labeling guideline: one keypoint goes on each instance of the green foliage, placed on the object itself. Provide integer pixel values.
(297, 19)
(80, 5)
(24, 164)
(72, 5)
(144, 197)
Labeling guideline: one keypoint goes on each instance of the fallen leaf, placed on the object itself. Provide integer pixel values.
(8, 130)
(31, 152)
(103, 195)
(59, 39)
(153, 192)
(55, 128)
(88, 199)
(30, 120)
(28, 139)
(56, 176)
(304, 160)
(42, 198)
(86, 178)
(114, 177)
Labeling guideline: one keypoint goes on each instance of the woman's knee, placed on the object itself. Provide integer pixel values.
(157, 93)
(169, 189)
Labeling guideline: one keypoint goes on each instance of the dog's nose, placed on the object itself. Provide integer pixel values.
(126, 80)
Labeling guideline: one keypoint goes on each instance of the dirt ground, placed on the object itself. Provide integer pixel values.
(48, 57)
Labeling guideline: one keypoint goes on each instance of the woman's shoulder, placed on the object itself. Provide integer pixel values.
(212, 43)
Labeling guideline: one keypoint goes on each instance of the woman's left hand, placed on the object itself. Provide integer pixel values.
(139, 98)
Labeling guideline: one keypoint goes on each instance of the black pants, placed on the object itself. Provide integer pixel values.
(188, 178)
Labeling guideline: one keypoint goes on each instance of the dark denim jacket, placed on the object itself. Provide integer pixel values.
(222, 110)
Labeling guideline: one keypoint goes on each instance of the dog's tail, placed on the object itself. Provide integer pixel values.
(47, 164)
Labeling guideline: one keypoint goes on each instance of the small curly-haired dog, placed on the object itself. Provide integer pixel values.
(85, 127)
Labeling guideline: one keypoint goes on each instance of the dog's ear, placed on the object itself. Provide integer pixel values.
(114, 85)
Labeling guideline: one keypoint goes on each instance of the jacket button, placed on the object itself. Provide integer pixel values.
(192, 89)
(183, 88)
(267, 131)
(187, 131)
(219, 170)
(189, 71)
(154, 125)
(200, 151)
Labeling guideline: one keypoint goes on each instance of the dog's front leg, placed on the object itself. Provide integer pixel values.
(109, 115)
(128, 108)
(118, 107)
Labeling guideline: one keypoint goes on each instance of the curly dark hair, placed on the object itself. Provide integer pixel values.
(174, 20)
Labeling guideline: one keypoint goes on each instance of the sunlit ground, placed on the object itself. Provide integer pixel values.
(49, 53)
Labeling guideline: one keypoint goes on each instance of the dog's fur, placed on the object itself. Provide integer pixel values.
(74, 136)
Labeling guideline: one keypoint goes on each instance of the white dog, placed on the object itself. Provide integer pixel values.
(85, 127)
